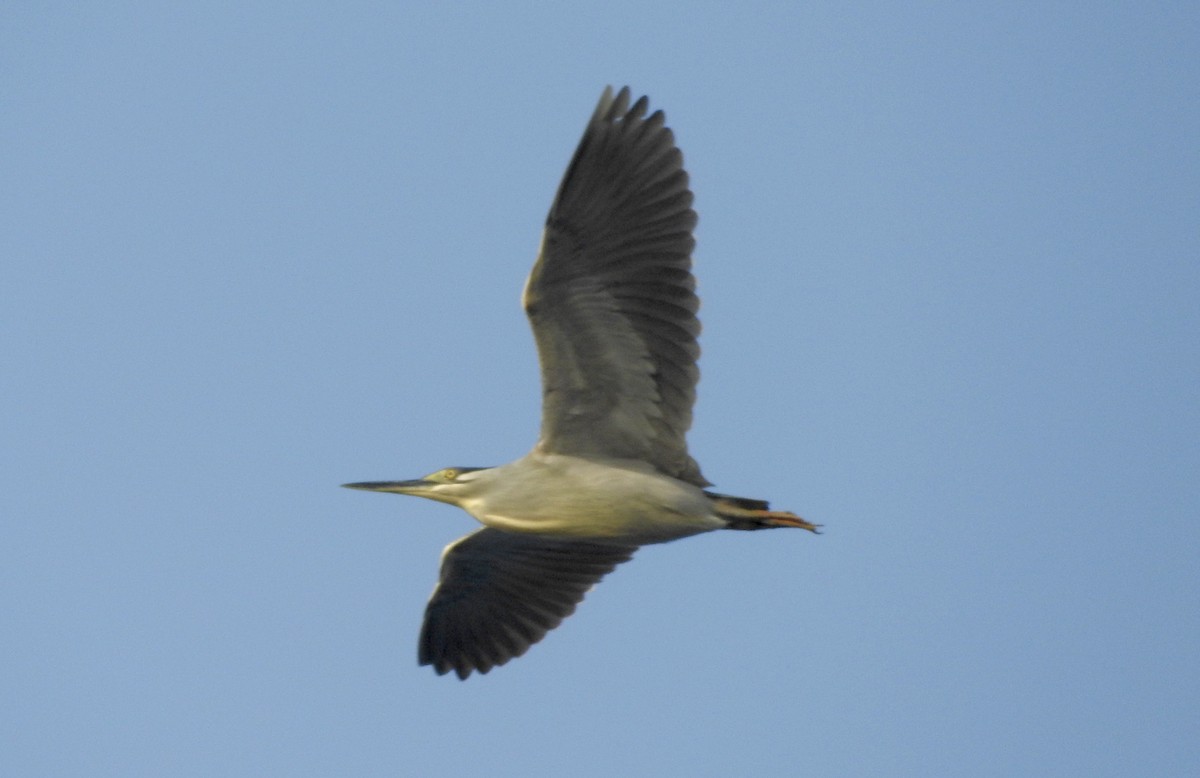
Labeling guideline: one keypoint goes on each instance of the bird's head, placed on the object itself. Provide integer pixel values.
(450, 485)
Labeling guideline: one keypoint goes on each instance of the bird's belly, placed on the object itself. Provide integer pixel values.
(633, 527)
(597, 501)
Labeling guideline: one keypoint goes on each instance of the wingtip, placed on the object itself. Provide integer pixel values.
(612, 106)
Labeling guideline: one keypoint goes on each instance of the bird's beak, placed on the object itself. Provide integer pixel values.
(417, 486)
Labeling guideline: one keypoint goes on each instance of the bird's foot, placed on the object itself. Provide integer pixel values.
(786, 519)
(739, 515)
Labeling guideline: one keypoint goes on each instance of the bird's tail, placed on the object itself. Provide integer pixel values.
(748, 514)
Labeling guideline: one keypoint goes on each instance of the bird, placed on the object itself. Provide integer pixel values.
(611, 300)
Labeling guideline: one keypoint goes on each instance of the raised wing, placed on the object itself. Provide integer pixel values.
(499, 593)
(612, 298)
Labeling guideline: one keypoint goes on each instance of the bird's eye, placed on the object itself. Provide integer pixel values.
(450, 474)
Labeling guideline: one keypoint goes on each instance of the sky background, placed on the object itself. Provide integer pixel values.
(950, 264)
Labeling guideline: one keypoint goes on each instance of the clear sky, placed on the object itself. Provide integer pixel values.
(950, 262)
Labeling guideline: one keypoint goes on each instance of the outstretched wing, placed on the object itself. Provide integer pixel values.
(612, 298)
(500, 592)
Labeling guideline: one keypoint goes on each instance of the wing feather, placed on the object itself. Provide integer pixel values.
(499, 593)
(612, 298)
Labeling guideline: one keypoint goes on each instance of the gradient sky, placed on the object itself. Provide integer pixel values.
(950, 262)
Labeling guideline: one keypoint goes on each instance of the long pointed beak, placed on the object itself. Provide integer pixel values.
(395, 487)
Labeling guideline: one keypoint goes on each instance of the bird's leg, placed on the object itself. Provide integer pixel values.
(786, 519)
(772, 519)
(740, 515)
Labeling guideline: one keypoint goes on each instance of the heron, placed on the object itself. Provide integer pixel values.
(611, 300)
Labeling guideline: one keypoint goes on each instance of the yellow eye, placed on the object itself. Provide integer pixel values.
(449, 474)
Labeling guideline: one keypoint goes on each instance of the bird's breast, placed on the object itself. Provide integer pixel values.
(566, 496)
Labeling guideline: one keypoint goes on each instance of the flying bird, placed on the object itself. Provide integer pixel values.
(611, 299)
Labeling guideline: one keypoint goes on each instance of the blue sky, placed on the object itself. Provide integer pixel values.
(949, 261)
